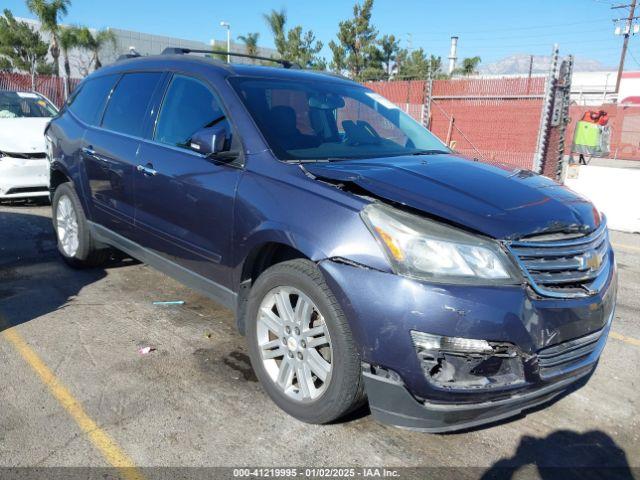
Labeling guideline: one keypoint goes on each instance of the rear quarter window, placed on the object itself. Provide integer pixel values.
(129, 102)
(89, 102)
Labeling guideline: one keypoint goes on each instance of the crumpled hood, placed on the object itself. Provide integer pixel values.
(502, 203)
(23, 135)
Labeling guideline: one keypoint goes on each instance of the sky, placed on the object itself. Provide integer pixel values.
(492, 29)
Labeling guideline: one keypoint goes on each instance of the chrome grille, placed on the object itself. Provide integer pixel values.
(575, 267)
(557, 359)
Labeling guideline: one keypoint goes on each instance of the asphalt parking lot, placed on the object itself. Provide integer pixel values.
(75, 391)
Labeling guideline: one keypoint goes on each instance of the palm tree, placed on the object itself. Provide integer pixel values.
(276, 21)
(49, 12)
(250, 41)
(95, 42)
(69, 38)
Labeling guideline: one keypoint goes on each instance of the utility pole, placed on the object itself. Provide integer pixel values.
(627, 32)
(530, 73)
(410, 42)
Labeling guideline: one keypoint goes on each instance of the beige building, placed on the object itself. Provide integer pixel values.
(144, 44)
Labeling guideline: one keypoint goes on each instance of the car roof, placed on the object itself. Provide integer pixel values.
(189, 62)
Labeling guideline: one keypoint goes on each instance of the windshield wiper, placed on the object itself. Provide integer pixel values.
(306, 160)
(430, 152)
(322, 160)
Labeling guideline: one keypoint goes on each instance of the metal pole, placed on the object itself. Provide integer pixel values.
(545, 118)
(426, 102)
(606, 84)
(452, 120)
(227, 25)
(530, 72)
(65, 86)
(565, 98)
(625, 44)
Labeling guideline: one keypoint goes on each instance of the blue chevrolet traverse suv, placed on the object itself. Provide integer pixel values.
(362, 258)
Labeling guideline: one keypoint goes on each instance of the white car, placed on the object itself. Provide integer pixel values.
(24, 168)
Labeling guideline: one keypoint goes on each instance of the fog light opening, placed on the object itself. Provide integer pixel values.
(464, 363)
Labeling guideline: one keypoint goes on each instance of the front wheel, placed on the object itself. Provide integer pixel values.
(300, 344)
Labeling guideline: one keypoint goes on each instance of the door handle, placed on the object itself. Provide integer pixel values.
(90, 152)
(147, 170)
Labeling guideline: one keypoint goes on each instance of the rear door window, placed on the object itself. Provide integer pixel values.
(89, 102)
(128, 106)
(189, 106)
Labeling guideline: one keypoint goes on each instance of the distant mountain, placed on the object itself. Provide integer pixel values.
(517, 64)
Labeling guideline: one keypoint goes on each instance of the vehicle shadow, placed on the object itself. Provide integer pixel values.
(34, 280)
(565, 455)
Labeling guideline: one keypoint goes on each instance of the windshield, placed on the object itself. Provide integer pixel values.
(331, 121)
(19, 105)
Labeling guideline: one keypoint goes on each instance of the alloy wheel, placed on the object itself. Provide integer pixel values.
(67, 226)
(294, 344)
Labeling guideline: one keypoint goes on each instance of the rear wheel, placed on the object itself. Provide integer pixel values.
(72, 230)
(300, 344)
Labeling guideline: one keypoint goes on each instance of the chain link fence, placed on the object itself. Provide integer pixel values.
(493, 120)
(49, 86)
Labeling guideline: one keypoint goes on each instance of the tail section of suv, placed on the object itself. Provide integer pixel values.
(363, 259)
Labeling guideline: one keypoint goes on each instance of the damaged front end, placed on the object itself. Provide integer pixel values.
(467, 364)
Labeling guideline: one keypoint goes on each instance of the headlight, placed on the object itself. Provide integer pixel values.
(427, 250)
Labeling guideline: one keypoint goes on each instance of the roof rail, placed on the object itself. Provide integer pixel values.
(127, 56)
(184, 51)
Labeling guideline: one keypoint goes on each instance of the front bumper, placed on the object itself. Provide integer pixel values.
(392, 403)
(22, 178)
(384, 308)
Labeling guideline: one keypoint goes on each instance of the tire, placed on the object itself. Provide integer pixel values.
(342, 390)
(80, 252)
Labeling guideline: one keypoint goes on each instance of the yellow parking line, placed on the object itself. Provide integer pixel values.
(626, 247)
(624, 338)
(100, 439)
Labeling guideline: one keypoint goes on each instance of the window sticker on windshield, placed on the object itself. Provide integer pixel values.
(42, 103)
(381, 100)
(27, 95)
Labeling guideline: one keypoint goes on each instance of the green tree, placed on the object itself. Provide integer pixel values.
(303, 49)
(389, 47)
(469, 66)
(49, 12)
(356, 50)
(415, 65)
(22, 48)
(5, 65)
(95, 42)
(294, 45)
(250, 41)
(412, 65)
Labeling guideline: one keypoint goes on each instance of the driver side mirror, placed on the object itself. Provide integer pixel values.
(211, 141)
